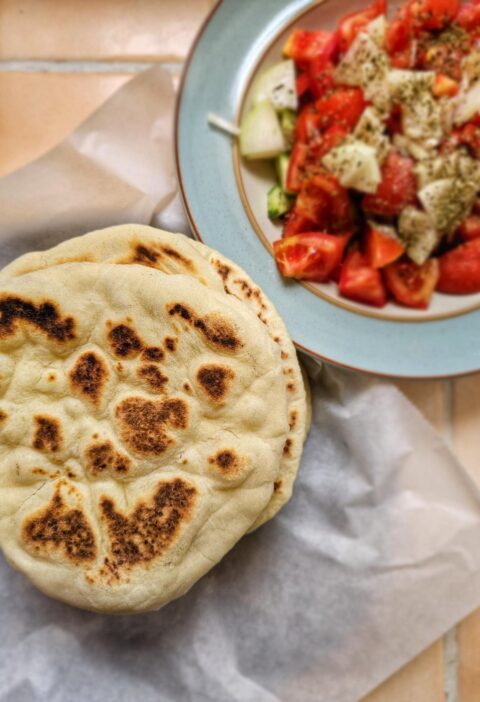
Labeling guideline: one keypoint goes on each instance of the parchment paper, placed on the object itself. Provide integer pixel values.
(375, 557)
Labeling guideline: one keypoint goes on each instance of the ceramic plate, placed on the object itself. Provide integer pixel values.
(225, 200)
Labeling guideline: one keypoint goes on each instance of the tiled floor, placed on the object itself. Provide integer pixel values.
(59, 60)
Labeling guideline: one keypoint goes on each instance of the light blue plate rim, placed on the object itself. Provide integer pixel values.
(215, 76)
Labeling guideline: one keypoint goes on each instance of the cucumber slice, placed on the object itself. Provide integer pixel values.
(277, 84)
(260, 133)
(288, 122)
(277, 202)
(281, 164)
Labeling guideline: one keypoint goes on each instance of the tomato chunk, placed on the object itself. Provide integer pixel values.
(321, 77)
(308, 124)
(295, 223)
(397, 189)
(361, 282)
(296, 167)
(328, 141)
(302, 84)
(351, 25)
(343, 106)
(460, 269)
(381, 248)
(323, 200)
(445, 86)
(410, 284)
(433, 14)
(470, 229)
(310, 256)
(399, 32)
(302, 46)
(468, 16)
(470, 136)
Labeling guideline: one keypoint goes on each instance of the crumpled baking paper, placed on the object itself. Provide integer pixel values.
(374, 558)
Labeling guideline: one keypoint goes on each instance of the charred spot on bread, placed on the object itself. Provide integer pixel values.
(59, 527)
(153, 378)
(47, 435)
(124, 341)
(144, 424)
(89, 376)
(215, 381)
(44, 316)
(226, 460)
(217, 330)
(149, 529)
(103, 456)
(153, 353)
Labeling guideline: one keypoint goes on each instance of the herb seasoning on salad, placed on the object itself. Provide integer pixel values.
(375, 133)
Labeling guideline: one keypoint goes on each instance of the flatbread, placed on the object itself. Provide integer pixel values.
(176, 254)
(142, 421)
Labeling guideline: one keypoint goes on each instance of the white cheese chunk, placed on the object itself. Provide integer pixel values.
(377, 30)
(422, 115)
(418, 233)
(467, 104)
(370, 129)
(356, 166)
(448, 202)
(365, 65)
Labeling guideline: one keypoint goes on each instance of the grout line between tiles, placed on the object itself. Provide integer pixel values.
(84, 66)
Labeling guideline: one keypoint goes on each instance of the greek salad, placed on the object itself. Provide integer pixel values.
(375, 134)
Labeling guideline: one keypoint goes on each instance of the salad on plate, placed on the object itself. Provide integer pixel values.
(375, 134)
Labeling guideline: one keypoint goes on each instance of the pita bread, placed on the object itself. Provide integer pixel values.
(176, 254)
(142, 421)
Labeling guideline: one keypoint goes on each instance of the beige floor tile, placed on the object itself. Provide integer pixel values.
(37, 110)
(469, 664)
(100, 29)
(419, 681)
(429, 398)
(466, 435)
(466, 423)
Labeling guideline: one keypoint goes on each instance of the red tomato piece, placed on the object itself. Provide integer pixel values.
(445, 86)
(351, 25)
(410, 284)
(302, 46)
(321, 77)
(343, 106)
(470, 136)
(308, 124)
(460, 269)
(443, 59)
(328, 141)
(468, 16)
(323, 200)
(310, 255)
(397, 189)
(470, 229)
(404, 58)
(433, 14)
(360, 282)
(296, 167)
(399, 32)
(381, 249)
(295, 223)
(302, 84)
(394, 122)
